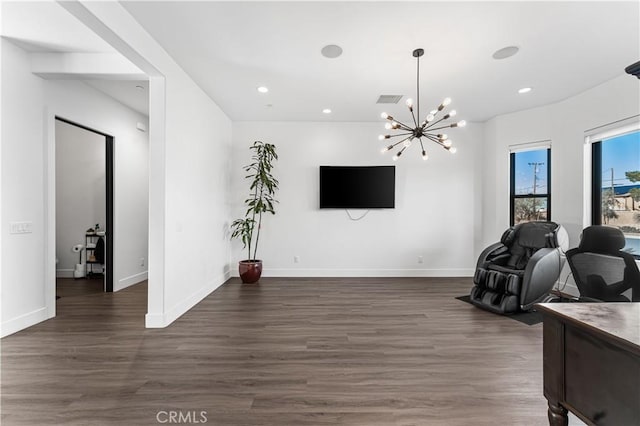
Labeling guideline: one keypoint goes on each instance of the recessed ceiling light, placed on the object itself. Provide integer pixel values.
(524, 90)
(326, 111)
(263, 89)
(505, 52)
(331, 51)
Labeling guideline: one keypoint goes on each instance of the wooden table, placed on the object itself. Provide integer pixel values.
(592, 362)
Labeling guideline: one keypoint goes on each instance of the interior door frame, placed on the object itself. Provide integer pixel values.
(109, 142)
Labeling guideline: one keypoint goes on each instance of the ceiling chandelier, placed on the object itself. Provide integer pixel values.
(426, 129)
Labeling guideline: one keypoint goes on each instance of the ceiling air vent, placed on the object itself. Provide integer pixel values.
(389, 99)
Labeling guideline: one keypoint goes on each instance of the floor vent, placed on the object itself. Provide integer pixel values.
(389, 99)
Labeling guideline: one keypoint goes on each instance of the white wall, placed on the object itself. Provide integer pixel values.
(23, 274)
(564, 124)
(434, 215)
(80, 191)
(29, 107)
(197, 184)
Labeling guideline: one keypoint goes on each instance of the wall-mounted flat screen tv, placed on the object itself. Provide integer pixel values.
(357, 187)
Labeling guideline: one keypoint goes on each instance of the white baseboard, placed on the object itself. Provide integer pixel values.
(161, 320)
(462, 272)
(131, 280)
(64, 273)
(24, 321)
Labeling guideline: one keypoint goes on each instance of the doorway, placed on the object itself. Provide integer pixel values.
(84, 208)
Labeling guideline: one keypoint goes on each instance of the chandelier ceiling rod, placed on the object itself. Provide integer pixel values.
(417, 54)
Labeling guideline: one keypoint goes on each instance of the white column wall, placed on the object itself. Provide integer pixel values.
(190, 146)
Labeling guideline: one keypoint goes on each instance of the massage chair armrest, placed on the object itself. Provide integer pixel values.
(541, 274)
(492, 250)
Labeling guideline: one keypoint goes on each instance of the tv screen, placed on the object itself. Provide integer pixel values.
(357, 187)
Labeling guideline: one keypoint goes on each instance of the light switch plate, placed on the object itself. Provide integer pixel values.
(21, 227)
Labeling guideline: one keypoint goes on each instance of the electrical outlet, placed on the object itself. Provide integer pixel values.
(420, 259)
(142, 261)
(296, 259)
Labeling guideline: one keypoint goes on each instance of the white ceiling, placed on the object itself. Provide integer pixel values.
(231, 48)
(44, 26)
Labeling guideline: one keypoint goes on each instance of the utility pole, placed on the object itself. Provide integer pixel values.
(612, 193)
(535, 185)
(612, 201)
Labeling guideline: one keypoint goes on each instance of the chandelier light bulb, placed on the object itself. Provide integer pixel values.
(409, 103)
(446, 101)
(407, 143)
(387, 126)
(433, 112)
(462, 123)
(447, 143)
(443, 136)
(395, 157)
(452, 113)
(384, 115)
(425, 157)
(453, 150)
(430, 117)
(395, 125)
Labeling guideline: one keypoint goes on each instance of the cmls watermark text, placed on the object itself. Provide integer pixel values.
(181, 417)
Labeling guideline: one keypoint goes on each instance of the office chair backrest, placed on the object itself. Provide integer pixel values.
(599, 265)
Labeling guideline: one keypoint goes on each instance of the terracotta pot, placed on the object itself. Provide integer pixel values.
(250, 270)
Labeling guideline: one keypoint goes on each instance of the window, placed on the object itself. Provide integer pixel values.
(616, 185)
(530, 185)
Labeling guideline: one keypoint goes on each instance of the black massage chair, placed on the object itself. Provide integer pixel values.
(519, 271)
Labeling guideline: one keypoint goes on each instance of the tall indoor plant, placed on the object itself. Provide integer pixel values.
(261, 200)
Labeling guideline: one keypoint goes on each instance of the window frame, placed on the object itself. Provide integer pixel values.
(596, 173)
(512, 184)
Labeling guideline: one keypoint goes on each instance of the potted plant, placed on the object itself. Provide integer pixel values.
(262, 189)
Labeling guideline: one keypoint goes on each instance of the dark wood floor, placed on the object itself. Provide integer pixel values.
(285, 352)
(71, 287)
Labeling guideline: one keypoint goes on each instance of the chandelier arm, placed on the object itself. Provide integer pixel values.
(400, 134)
(432, 138)
(435, 122)
(414, 117)
(443, 127)
(404, 126)
(436, 141)
(399, 142)
(421, 145)
(433, 135)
